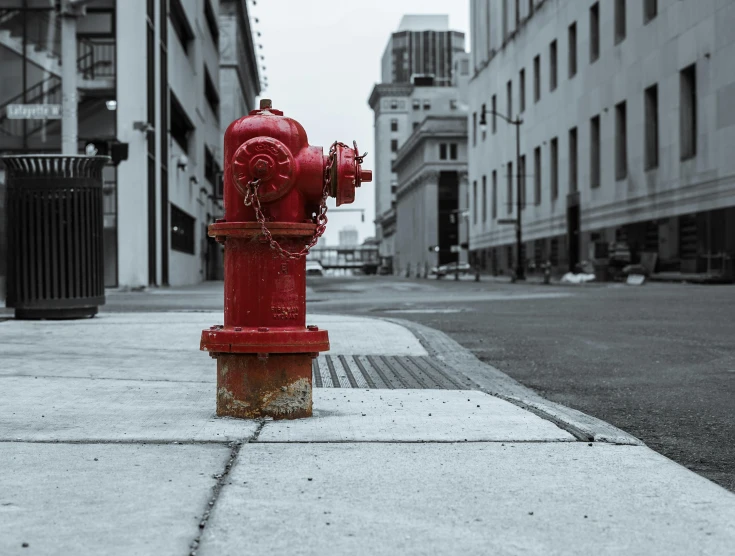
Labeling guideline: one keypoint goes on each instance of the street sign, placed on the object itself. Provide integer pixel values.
(455, 249)
(507, 221)
(34, 111)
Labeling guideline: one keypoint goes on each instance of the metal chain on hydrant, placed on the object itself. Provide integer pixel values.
(252, 199)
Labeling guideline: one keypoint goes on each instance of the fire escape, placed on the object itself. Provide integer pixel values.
(30, 60)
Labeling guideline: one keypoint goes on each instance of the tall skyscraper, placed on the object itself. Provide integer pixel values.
(423, 45)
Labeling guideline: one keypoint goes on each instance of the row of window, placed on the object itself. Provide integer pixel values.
(418, 103)
(687, 149)
(650, 10)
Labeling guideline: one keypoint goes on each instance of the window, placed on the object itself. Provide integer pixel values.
(394, 145)
(494, 200)
(181, 24)
(688, 112)
(452, 103)
(595, 152)
(427, 104)
(211, 21)
(442, 151)
(530, 8)
(573, 160)
(484, 199)
(621, 154)
(494, 111)
(415, 126)
(474, 202)
(651, 127)
(211, 168)
(416, 104)
(537, 78)
(510, 187)
(518, 14)
(393, 104)
(394, 124)
(554, 167)
(505, 20)
(210, 92)
(522, 89)
(522, 177)
(594, 32)
(509, 93)
(537, 176)
(181, 126)
(572, 60)
(474, 129)
(619, 20)
(650, 10)
(453, 151)
(182, 231)
(552, 66)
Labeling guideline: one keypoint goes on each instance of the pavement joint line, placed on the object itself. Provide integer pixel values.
(509, 442)
(219, 485)
(583, 427)
(126, 441)
(77, 377)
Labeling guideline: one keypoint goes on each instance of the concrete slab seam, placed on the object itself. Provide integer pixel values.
(131, 441)
(585, 428)
(221, 478)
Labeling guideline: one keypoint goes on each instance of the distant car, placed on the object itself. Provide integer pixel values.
(450, 269)
(314, 268)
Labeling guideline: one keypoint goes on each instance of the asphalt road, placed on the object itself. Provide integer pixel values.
(657, 361)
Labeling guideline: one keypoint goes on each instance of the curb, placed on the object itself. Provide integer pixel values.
(495, 382)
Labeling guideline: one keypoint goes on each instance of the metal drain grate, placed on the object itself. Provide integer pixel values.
(377, 371)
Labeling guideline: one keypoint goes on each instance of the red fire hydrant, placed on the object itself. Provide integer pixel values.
(275, 192)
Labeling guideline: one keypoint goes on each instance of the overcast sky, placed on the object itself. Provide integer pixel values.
(322, 59)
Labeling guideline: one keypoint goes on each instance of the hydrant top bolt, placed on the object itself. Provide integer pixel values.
(261, 167)
(312, 327)
(238, 329)
(266, 103)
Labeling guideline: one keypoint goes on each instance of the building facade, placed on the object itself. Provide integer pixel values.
(431, 184)
(148, 79)
(423, 45)
(422, 51)
(628, 126)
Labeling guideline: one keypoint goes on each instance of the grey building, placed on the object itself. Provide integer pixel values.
(627, 136)
(431, 184)
(396, 110)
(423, 45)
(167, 107)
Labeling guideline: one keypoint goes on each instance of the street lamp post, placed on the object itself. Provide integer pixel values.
(520, 271)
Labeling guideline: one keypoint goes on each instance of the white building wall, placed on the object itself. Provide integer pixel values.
(682, 33)
(132, 174)
(186, 80)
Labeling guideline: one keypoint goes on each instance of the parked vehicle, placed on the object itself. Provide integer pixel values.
(450, 269)
(314, 268)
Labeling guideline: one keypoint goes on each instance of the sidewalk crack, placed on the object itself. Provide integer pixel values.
(221, 479)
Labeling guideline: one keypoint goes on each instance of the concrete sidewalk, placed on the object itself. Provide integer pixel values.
(109, 445)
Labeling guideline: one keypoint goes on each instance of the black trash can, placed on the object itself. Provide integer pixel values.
(54, 232)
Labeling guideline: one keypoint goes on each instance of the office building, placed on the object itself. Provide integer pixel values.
(627, 133)
(422, 53)
(149, 79)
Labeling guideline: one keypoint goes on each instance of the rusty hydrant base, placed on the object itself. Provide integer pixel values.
(251, 387)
